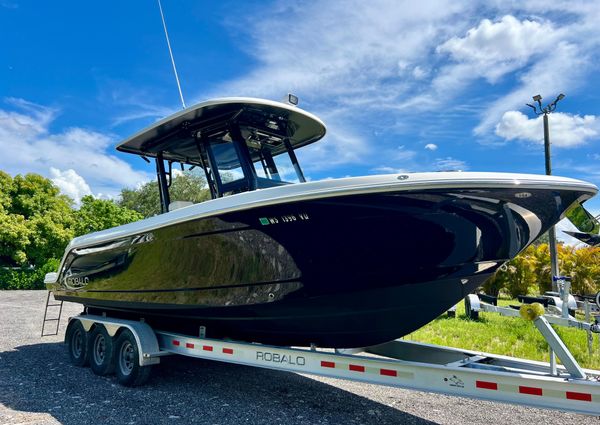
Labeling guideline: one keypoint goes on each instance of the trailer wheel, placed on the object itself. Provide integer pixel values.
(128, 369)
(470, 312)
(76, 339)
(100, 351)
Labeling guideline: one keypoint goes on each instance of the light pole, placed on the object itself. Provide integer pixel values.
(539, 110)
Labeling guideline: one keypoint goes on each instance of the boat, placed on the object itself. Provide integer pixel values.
(339, 263)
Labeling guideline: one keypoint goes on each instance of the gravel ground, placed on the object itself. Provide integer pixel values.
(39, 386)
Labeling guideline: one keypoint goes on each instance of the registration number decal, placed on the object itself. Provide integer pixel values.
(286, 218)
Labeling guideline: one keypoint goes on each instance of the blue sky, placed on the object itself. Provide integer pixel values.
(402, 85)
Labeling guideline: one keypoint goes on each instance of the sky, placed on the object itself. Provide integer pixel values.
(402, 86)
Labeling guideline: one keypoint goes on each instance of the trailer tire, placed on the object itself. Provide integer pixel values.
(77, 344)
(100, 351)
(127, 366)
(470, 311)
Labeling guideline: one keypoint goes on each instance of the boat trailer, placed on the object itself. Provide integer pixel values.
(130, 348)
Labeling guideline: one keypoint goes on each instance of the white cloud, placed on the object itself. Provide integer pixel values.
(450, 164)
(560, 71)
(341, 146)
(312, 55)
(403, 58)
(70, 183)
(543, 56)
(493, 49)
(376, 66)
(390, 170)
(401, 154)
(566, 130)
(420, 72)
(431, 146)
(31, 147)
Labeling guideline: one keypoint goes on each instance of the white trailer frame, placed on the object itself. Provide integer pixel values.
(475, 305)
(397, 363)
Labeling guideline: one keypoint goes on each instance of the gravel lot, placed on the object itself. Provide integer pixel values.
(39, 386)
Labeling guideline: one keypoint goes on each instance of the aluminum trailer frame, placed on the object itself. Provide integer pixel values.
(473, 304)
(398, 363)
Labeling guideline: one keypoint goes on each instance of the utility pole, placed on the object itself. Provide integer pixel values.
(545, 111)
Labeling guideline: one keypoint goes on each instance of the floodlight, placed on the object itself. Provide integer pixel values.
(291, 99)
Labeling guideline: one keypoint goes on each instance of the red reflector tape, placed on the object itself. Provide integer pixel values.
(327, 364)
(486, 385)
(207, 348)
(579, 396)
(530, 390)
(189, 345)
(176, 343)
(388, 372)
(356, 368)
(227, 351)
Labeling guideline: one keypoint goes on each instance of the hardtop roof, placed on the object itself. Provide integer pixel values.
(176, 135)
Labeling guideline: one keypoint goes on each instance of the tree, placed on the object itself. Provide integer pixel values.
(145, 199)
(36, 221)
(541, 265)
(6, 188)
(99, 214)
(188, 186)
(14, 239)
(583, 266)
(517, 276)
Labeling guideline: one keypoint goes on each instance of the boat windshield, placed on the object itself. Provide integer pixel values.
(277, 170)
(227, 162)
(239, 162)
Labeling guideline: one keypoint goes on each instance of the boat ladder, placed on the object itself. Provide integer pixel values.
(47, 319)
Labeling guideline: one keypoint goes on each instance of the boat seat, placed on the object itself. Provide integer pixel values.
(175, 205)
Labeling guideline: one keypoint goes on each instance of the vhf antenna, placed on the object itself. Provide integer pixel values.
(162, 16)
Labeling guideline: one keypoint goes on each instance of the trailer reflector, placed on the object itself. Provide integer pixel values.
(227, 351)
(486, 385)
(327, 364)
(189, 345)
(356, 368)
(176, 343)
(530, 390)
(207, 348)
(571, 395)
(388, 372)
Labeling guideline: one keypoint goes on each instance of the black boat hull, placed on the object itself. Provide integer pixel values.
(346, 320)
(343, 271)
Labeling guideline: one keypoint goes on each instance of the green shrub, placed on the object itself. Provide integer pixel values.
(27, 278)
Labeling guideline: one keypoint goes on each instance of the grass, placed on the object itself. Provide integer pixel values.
(508, 336)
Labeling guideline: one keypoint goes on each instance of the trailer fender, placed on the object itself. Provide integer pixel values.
(143, 333)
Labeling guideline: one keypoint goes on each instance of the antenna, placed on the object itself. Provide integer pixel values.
(162, 16)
